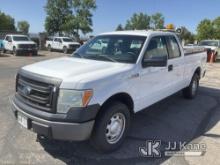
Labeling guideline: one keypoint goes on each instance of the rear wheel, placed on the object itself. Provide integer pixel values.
(111, 127)
(191, 91)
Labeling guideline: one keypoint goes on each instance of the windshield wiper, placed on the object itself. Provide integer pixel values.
(108, 58)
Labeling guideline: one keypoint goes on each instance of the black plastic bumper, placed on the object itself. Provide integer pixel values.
(57, 126)
(26, 51)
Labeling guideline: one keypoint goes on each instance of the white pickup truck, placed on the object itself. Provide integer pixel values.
(64, 44)
(93, 93)
(19, 44)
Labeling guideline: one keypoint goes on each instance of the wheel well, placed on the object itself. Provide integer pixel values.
(121, 97)
(198, 72)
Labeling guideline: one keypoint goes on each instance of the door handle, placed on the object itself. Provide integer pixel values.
(170, 68)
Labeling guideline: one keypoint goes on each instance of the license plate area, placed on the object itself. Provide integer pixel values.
(22, 120)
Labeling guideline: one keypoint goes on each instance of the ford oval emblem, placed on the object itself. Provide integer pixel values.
(27, 90)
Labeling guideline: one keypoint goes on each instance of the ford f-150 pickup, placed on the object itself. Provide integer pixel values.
(93, 93)
(64, 44)
(18, 44)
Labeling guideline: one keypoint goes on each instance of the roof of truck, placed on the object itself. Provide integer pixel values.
(138, 32)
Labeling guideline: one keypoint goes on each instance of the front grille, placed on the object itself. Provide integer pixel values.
(27, 46)
(36, 94)
(74, 47)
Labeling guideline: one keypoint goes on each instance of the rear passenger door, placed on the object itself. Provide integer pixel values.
(175, 64)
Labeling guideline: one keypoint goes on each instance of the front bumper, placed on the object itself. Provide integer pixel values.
(60, 130)
(24, 51)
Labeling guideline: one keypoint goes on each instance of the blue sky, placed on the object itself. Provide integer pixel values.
(110, 13)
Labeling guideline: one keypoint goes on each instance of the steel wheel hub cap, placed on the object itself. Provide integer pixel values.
(115, 128)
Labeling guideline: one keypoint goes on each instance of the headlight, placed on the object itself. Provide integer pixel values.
(72, 98)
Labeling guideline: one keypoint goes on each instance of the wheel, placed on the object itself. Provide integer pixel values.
(191, 91)
(49, 48)
(65, 50)
(4, 51)
(15, 53)
(111, 127)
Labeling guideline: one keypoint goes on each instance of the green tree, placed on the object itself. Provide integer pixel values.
(23, 26)
(58, 14)
(139, 21)
(205, 30)
(82, 15)
(119, 28)
(157, 21)
(216, 26)
(186, 35)
(6, 22)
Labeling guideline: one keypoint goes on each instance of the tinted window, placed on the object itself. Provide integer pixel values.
(57, 40)
(173, 47)
(156, 49)
(20, 38)
(67, 40)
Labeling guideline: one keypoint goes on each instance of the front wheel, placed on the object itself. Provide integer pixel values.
(191, 91)
(111, 127)
(65, 50)
(15, 53)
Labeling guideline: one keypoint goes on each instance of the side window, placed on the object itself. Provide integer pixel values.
(173, 47)
(156, 48)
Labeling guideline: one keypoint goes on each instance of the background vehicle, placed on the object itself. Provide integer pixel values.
(65, 44)
(212, 46)
(93, 93)
(1, 45)
(18, 44)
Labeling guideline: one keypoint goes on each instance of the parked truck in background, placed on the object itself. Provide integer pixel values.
(93, 93)
(212, 46)
(64, 44)
(19, 44)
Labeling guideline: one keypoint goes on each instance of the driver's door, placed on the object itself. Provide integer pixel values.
(154, 81)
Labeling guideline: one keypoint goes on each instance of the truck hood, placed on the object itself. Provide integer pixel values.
(71, 43)
(24, 42)
(210, 47)
(72, 70)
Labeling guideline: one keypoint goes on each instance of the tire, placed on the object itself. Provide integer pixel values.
(49, 48)
(190, 92)
(14, 52)
(3, 51)
(65, 50)
(112, 115)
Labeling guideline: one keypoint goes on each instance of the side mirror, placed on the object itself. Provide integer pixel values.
(155, 62)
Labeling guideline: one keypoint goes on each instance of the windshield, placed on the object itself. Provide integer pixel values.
(20, 38)
(208, 43)
(67, 40)
(114, 48)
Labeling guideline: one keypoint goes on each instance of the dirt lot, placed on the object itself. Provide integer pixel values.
(173, 119)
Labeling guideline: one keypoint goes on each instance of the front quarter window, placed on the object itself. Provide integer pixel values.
(113, 48)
